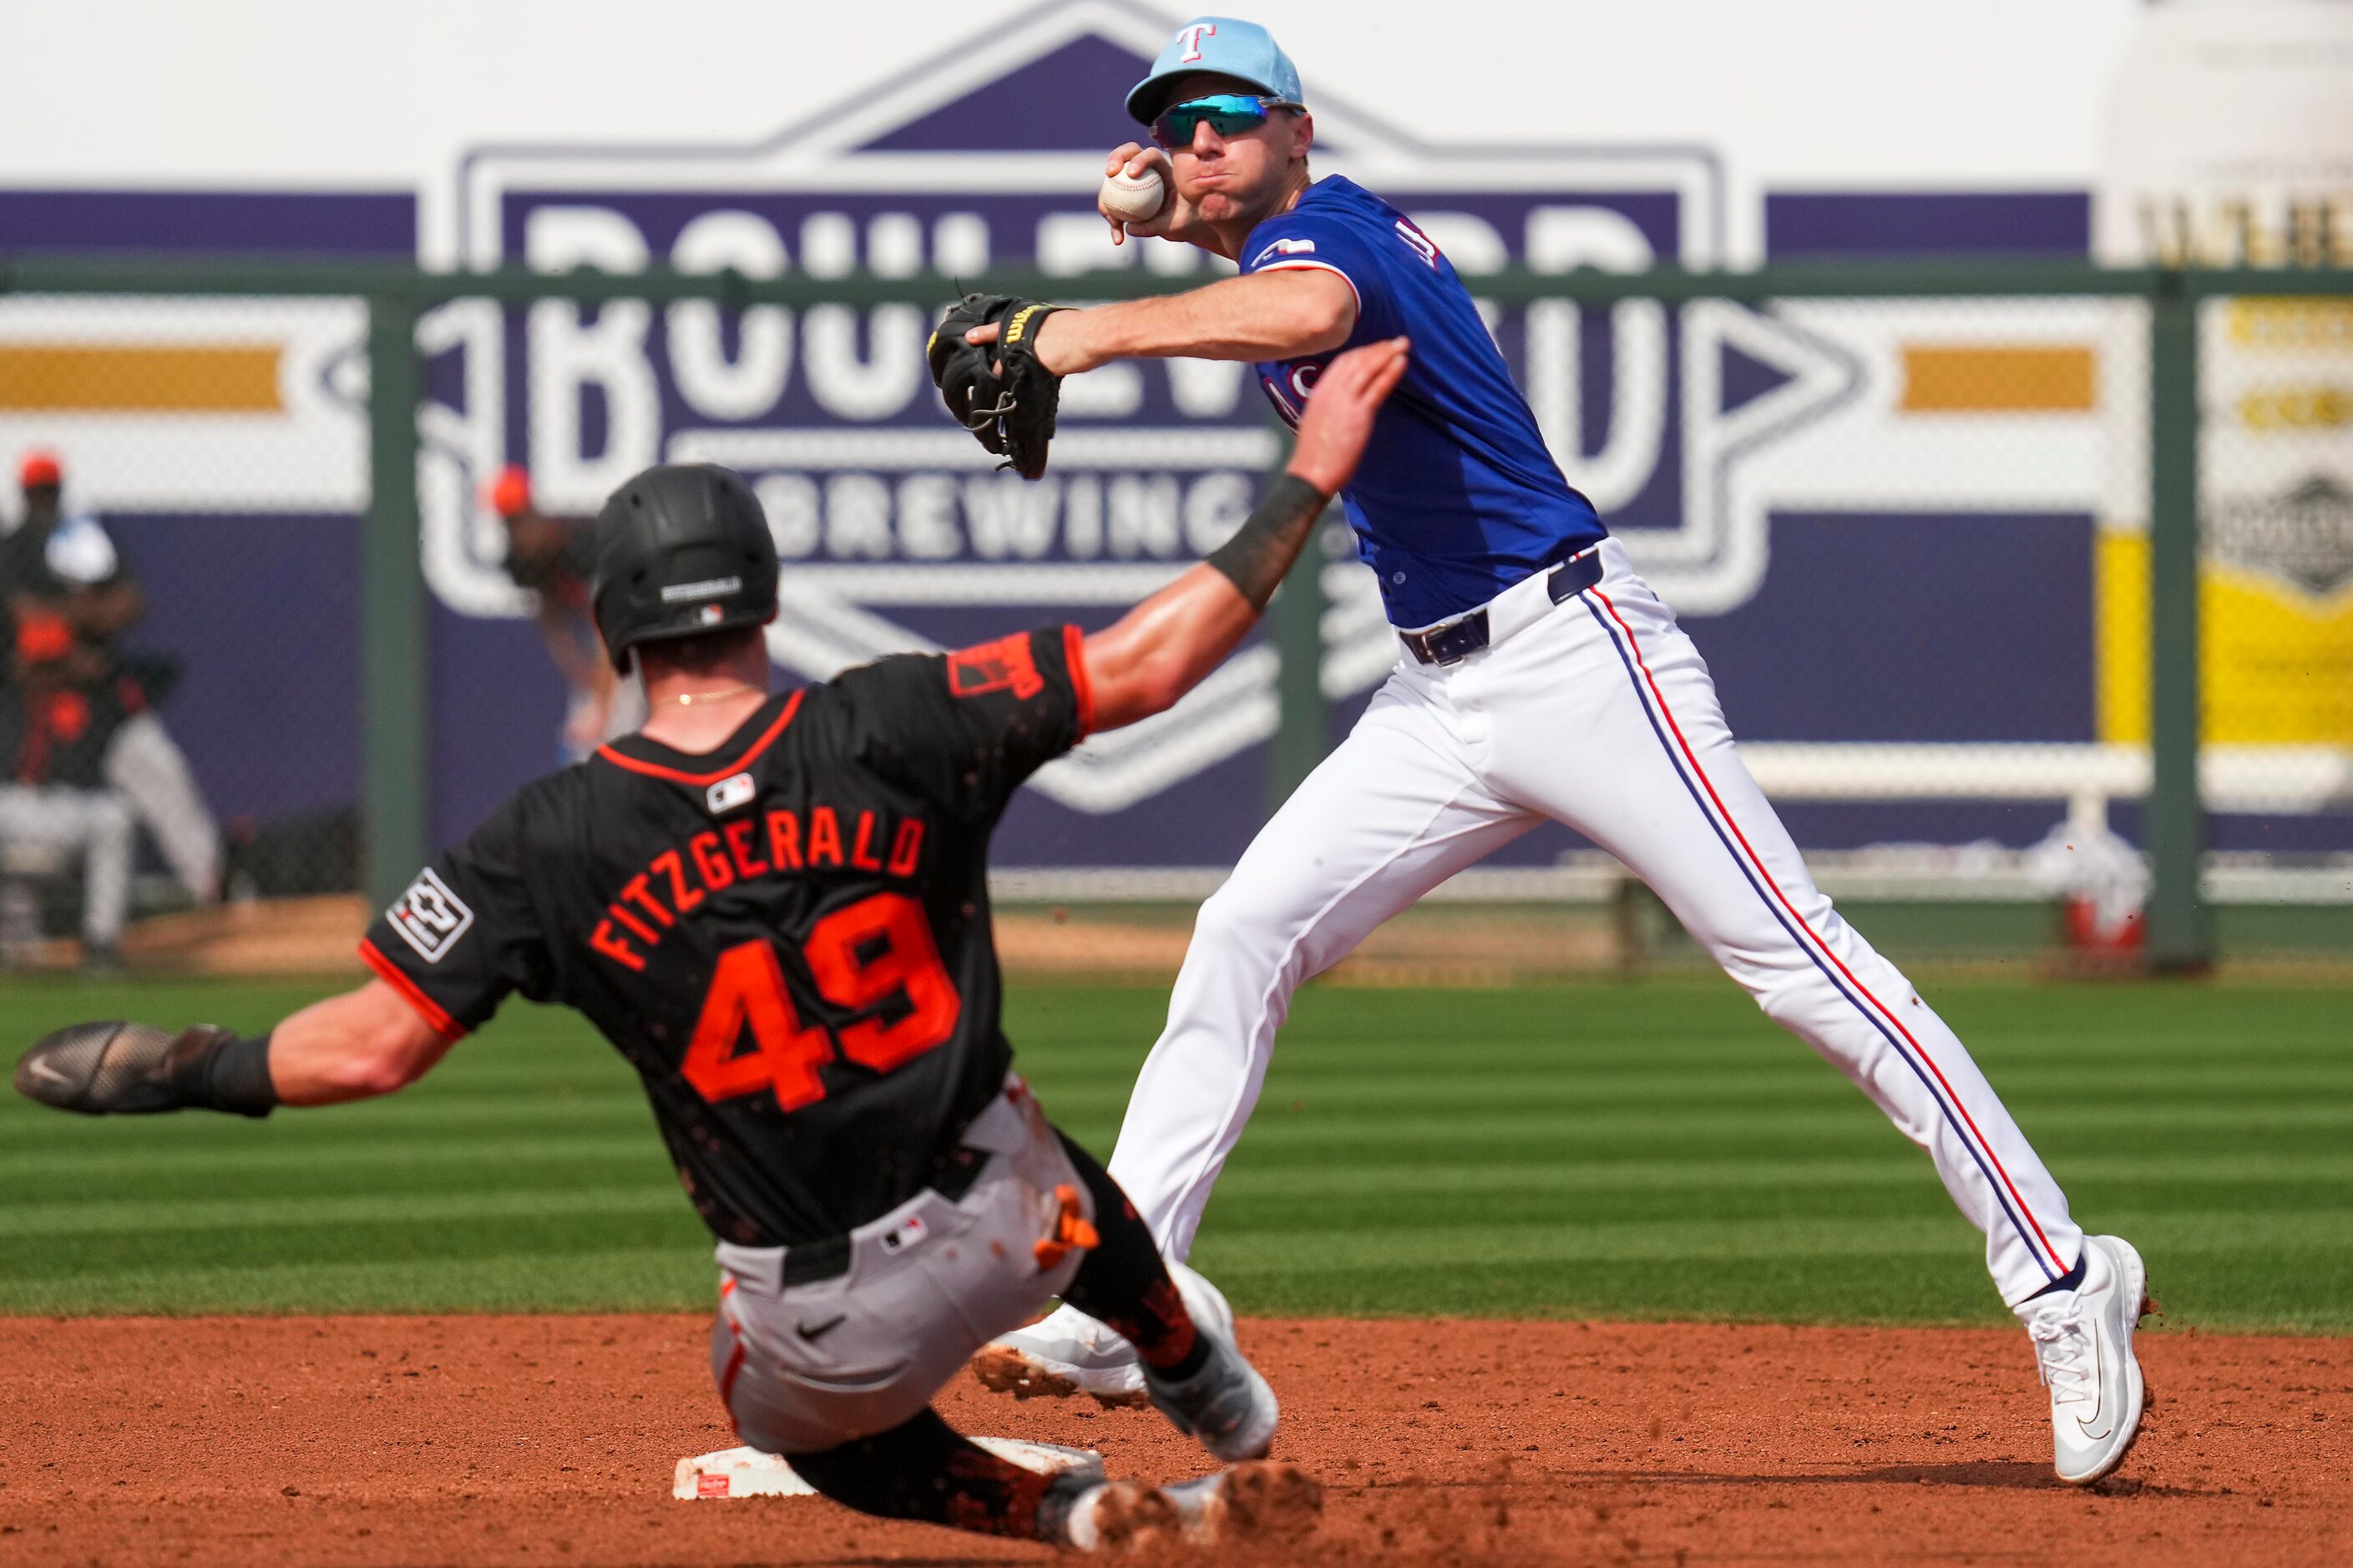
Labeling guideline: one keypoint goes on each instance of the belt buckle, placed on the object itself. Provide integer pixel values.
(1459, 639)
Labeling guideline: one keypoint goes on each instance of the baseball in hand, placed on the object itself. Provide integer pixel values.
(1135, 199)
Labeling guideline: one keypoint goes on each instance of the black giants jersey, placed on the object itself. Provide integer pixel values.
(788, 937)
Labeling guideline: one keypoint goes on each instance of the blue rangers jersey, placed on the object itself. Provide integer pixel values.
(1457, 498)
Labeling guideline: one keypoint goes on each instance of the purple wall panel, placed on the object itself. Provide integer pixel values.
(311, 223)
(1821, 225)
(262, 614)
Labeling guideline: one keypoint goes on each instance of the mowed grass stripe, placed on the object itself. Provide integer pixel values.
(1505, 1177)
(1573, 1087)
(1742, 1241)
(158, 1187)
(1606, 1149)
(526, 1243)
(1603, 1196)
(1848, 1273)
(1850, 1118)
(587, 1278)
(453, 1118)
(1855, 1287)
(1278, 1135)
(2205, 1275)
(422, 1149)
(286, 1213)
(1257, 1206)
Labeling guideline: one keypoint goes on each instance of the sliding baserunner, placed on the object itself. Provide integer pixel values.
(1538, 678)
(775, 907)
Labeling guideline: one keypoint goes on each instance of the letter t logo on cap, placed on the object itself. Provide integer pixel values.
(1193, 36)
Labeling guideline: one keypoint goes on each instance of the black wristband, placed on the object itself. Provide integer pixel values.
(212, 1069)
(240, 1078)
(1255, 559)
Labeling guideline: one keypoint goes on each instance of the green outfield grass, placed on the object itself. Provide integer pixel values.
(1649, 1150)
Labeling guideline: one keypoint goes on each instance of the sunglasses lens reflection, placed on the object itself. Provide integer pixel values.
(1229, 114)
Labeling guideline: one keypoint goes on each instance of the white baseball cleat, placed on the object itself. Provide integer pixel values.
(1067, 1352)
(2082, 1347)
(1062, 1354)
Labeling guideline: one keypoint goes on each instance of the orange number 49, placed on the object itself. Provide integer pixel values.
(860, 957)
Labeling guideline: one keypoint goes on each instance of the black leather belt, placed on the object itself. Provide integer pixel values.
(807, 1262)
(1458, 639)
(953, 1175)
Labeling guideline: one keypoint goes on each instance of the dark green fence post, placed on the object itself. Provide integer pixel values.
(1304, 735)
(2181, 935)
(393, 613)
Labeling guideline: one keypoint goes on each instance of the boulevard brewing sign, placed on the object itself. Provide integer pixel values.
(894, 530)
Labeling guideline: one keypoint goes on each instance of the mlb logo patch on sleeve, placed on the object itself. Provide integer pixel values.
(429, 917)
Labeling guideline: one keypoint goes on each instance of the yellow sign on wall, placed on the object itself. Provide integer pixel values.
(2276, 662)
(2256, 176)
(2275, 521)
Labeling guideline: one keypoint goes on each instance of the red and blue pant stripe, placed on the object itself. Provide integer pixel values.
(1685, 763)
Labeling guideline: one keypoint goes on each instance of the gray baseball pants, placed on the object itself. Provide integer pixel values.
(148, 767)
(94, 823)
(805, 1367)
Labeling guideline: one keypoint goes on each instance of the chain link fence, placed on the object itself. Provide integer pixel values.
(180, 583)
(1907, 516)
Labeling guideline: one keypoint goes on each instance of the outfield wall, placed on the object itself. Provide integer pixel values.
(1898, 522)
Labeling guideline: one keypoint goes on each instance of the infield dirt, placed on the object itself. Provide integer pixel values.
(382, 1440)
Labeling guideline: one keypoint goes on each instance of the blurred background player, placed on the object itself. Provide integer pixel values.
(58, 811)
(85, 748)
(66, 584)
(554, 558)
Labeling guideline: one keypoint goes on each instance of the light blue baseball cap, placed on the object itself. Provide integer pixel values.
(1226, 46)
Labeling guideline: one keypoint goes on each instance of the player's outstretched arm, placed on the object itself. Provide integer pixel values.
(1161, 648)
(363, 1043)
(1264, 316)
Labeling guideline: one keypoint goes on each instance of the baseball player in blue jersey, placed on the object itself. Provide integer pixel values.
(1537, 677)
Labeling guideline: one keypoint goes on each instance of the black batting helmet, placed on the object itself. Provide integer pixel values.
(682, 548)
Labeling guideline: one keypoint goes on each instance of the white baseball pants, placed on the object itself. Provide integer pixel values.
(1596, 713)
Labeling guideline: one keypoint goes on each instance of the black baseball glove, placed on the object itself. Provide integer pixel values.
(129, 1070)
(998, 391)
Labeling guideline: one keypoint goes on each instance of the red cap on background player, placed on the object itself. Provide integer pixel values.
(38, 468)
(510, 493)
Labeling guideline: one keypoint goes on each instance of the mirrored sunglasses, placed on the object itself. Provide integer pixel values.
(1227, 113)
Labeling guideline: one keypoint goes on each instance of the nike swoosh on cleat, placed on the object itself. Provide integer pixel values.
(41, 1067)
(814, 1332)
(2101, 1415)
